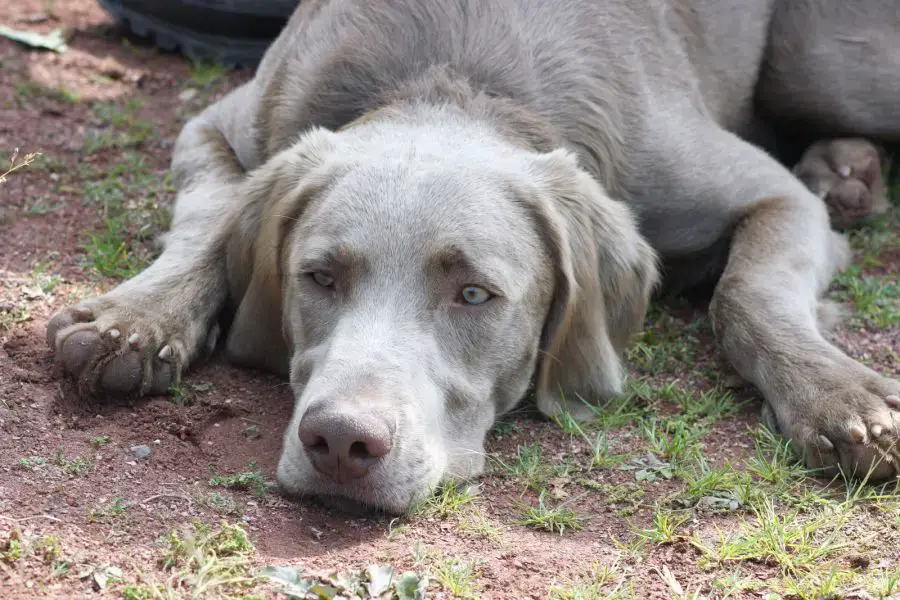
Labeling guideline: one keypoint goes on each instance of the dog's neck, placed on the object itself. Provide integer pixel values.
(440, 88)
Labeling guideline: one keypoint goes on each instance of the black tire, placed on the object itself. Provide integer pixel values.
(229, 32)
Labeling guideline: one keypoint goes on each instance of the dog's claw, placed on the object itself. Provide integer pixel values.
(858, 434)
(166, 353)
(825, 443)
(133, 339)
(877, 430)
(114, 333)
(845, 171)
(893, 401)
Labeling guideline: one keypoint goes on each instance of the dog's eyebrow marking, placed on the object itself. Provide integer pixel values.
(320, 253)
(452, 259)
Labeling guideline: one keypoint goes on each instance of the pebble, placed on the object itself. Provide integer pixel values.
(142, 451)
(187, 95)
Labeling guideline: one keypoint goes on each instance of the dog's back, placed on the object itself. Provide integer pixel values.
(592, 69)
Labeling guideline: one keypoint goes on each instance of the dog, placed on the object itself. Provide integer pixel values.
(419, 211)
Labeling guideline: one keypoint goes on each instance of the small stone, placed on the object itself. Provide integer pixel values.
(142, 451)
(187, 95)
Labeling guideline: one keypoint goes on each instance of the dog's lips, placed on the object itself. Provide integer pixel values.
(356, 496)
(379, 490)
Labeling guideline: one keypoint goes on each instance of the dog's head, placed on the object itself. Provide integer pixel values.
(419, 279)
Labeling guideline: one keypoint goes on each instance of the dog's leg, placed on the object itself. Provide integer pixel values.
(139, 337)
(782, 257)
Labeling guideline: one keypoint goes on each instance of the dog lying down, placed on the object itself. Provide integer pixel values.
(417, 208)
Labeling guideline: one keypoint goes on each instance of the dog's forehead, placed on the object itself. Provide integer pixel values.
(398, 207)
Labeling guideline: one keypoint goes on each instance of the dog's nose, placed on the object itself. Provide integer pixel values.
(344, 445)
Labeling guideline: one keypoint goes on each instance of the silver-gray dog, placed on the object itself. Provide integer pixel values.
(417, 208)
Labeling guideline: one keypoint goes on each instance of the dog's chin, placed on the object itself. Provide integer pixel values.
(350, 502)
(348, 506)
(356, 497)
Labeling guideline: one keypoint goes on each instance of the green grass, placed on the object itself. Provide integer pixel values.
(664, 529)
(602, 456)
(450, 499)
(26, 91)
(11, 551)
(626, 498)
(789, 540)
(21, 546)
(206, 73)
(32, 462)
(12, 316)
(457, 577)
(664, 346)
(122, 128)
(247, 480)
(129, 198)
(100, 440)
(716, 488)
(475, 523)
(602, 582)
(116, 507)
(875, 298)
(775, 461)
(623, 409)
(555, 519)
(224, 504)
(203, 561)
(77, 467)
(674, 440)
(528, 467)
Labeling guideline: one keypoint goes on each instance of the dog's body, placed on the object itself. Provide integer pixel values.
(411, 210)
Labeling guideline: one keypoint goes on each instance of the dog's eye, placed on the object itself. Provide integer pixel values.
(322, 279)
(474, 295)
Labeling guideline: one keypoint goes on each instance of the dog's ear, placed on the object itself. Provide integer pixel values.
(275, 196)
(605, 273)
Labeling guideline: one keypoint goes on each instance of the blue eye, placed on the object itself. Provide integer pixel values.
(475, 295)
(323, 279)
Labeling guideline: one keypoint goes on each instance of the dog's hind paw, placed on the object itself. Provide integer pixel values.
(846, 174)
(111, 347)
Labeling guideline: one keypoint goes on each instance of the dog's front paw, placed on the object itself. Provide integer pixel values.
(113, 346)
(844, 415)
(846, 174)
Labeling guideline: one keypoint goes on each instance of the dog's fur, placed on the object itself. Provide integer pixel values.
(388, 154)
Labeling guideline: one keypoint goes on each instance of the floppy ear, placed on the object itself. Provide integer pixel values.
(276, 195)
(605, 273)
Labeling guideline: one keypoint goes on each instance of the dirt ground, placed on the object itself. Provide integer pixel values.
(674, 492)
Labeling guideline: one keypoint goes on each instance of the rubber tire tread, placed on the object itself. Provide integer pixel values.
(233, 33)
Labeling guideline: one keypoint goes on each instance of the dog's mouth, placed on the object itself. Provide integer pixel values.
(343, 504)
(357, 498)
